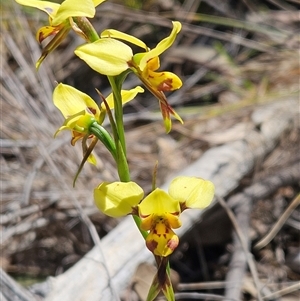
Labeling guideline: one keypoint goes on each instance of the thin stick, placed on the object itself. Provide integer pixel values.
(278, 225)
(284, 291)
(199, 296)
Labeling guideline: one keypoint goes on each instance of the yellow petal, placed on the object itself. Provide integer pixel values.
(92, 159)
(191, 191)
(158, 202)
(166, 111)
(76, 136)
(127, 95)
(79, 124)
(48, 7)
(71, 121)
(173, 220)
(163, 81)
(167, 123)
(112, 33)
(54, 43)
(85, 121)
(153, 64)
(117, 199)
(97, 2)
(74, 8)
(70, 101)
(106, 56)
(170, 219)
(60, 129)
(46, 31)
(147, 222)
(162, 240)
(162, 46)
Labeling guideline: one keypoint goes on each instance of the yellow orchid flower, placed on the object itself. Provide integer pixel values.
(111, 57)
(78, 109)
(118, 198)
(160, 211)
(160, 214)
(81, 111)
(60, 20)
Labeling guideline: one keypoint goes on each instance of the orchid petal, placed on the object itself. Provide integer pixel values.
(71, 121)
(192, 192)
(106, 56)
(112, 33)
(98, 2)
(53, 44)
(48, 7)
(46, 31)
(118, 198)
(74, 8)
(158, 202)
(163, 81)
(70, 101)
(162, 241)
(127, 95)
(92, 159)
(161, 46)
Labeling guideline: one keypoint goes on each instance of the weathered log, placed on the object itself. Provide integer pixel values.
(123, 248)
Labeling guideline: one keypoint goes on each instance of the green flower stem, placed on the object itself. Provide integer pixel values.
(118, 112)
(123, 169)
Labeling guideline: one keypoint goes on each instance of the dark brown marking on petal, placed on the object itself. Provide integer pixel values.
(166, 85)
(151, 245)
(92, 110)
(144, 216)
(130, 64)
(41, 37)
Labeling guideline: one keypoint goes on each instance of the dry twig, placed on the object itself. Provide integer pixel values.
(278, 225)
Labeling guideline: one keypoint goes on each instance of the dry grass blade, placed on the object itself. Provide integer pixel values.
(282, 292)
(200, 296)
